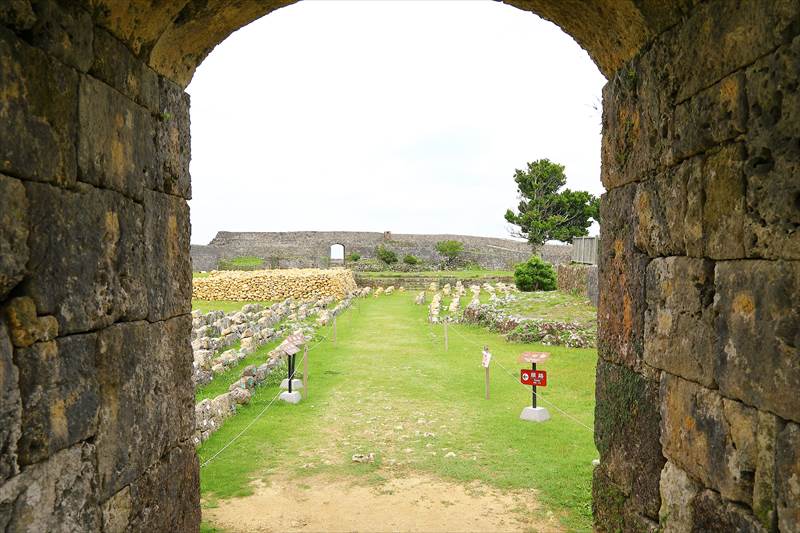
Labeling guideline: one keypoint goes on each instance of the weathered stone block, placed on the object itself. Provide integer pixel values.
(24, 326)
(13, 233)
(622, 303)
(787, 473)
(719, 38)
(714, 439)
(17, 14)
(86, 256)
(147, 397)
(677, 495)
(55, 496)
(63, 30)
(116, 145)
(679, 322)
(117, 511)
(724, 206)
(712, 514)
(173, 142)
(169, 266)
(167, 497)
(38, 119)
(711, 117)
(764, 506)
(115, 65)
(59, 391)
(612, 510)
(627, 434)
(9, 407)
(758, 325)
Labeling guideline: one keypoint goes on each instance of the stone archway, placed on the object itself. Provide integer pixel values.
(699, 272)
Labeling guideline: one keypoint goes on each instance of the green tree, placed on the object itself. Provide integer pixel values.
(545, 212)
(450, 250)
(385, 255)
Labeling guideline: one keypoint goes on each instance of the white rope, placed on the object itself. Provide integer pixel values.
(514, 377)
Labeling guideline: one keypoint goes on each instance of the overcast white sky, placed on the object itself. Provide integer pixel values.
(387, 115)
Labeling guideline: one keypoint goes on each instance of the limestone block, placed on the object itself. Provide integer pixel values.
(669, 209)
(55, 496)
(24, 326)
(117, 511)
(39, 126)
(10, 407)
(711, 117)
(724, 205)
(169, 268)
(94, 276)
(622, 301)
(63, 30)
(679, 321)
(715, 440)
(167, 496)
(714, 514)
(627, 434)
(13, 233)
(60, 398)
(17, 14)
(677, 495)
(787, 472)
(173, 141)
(146, 397)
(764, 505)
(115, 145)
(115, 65)
(758, 326)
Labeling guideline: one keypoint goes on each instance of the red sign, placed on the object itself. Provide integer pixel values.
(533, 377)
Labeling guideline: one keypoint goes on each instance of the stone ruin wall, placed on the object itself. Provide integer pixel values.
(697, 418)
(311, 249)
(579, 279)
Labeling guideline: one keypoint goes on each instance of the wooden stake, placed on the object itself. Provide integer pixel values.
(305, 371)
(487, 382)
(445, 336)
(334, 328)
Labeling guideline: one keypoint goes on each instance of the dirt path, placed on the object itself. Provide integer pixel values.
(412, 504)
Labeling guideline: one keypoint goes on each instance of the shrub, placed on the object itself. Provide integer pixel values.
(385, 255)
(535, 275)
(411, 259)
(353, 256)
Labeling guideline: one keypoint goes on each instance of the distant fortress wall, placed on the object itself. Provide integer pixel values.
(311, 249)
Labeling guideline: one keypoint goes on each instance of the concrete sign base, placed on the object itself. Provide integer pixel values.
(296, 384)
(290, 397)
(535, 414)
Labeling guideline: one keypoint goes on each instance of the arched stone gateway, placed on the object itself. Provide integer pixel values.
(699, 326)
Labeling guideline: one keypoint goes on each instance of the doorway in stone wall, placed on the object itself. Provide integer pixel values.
(396, 432)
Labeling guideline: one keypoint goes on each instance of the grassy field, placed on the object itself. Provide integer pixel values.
(553, 305)
(388, 382)
(458, 274)
(228, 306)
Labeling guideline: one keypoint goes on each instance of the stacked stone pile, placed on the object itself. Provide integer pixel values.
(300, 284)
(420, 298)
(211, 413)
(434, 308)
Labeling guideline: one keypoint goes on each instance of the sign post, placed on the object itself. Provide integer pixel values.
(534, 378)
(487, 358)
(290, 347)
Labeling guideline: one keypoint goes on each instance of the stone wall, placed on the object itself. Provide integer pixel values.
(579, 279)
(697, 406)
(96, 398)
(311, 249)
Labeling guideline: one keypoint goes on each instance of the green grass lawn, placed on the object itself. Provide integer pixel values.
(458, 274)
(386, 382)
(229, 306)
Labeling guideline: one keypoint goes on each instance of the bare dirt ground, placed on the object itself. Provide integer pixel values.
(408, 504)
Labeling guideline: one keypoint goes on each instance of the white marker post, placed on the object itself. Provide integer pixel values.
(305, 369)
(487, 358)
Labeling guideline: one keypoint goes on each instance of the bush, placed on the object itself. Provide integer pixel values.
(385, 255)
(535, 275)
(411, 259)
(353, 256)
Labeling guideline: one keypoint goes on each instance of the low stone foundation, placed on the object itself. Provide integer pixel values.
(579, 279)
(263, 285)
